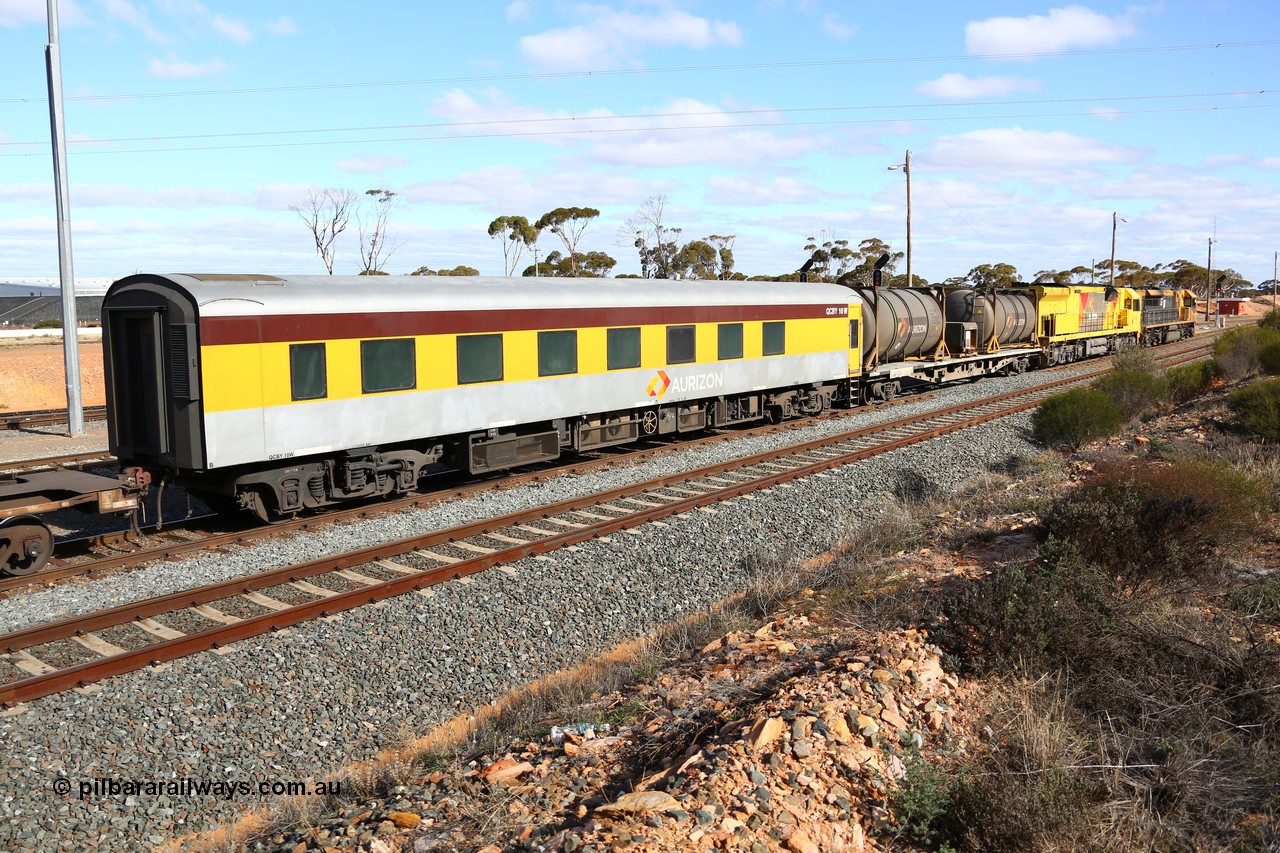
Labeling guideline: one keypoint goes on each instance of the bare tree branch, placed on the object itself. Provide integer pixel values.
(325, 213)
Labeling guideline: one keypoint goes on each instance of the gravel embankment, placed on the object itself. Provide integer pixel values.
(295, 705)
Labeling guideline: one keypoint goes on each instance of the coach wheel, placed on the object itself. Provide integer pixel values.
(613, 428)
(26, 545)
(261, 504)
(649, 422)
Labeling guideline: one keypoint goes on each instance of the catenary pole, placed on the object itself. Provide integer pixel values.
(70, 338)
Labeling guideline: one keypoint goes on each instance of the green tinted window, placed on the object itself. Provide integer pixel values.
(730, 340)
(775, 338)
(681, 344)
(387, 365)
(624, 348)
(557, 353)
(479, 358)
(306, 371)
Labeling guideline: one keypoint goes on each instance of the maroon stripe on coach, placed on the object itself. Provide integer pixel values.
(267, 328)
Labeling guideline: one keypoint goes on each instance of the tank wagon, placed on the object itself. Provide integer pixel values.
(282, 394)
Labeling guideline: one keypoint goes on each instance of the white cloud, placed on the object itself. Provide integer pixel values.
(1105, 113)
(178, 69)
(17, 13)
(130, 15)
(833, 27)
(727, 147)
(370, 163)
(609, 38)
(235, 30)
(1061, 29)
(519, 11)
(1269, 163)
(959, 86)
(282, 26)
(1014, 152)
(508, 189)
(743, 190)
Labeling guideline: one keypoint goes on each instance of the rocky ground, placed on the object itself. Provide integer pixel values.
(785, 735)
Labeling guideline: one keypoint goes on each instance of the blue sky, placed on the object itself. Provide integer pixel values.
(193, 126)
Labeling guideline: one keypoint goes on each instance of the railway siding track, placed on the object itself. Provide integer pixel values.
(51, 656)
(45, 417)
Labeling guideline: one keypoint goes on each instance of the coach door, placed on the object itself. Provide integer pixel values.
(136, 393)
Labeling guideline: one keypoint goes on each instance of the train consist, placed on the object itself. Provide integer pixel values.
(284, 394)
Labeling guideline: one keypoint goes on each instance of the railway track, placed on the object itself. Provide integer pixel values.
(71, 461)
(44, 417)
(74, 652)
(134, 548)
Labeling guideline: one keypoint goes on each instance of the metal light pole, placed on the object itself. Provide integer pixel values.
(906, 170)
(1114, 218)
(70, 335)
(1208, 281)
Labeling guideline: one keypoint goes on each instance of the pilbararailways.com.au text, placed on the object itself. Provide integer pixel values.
(186, 786)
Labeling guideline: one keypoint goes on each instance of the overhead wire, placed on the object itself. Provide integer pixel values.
(618, 130)
(578, 119)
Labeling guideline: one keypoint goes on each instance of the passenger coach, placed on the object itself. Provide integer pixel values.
(284, 393)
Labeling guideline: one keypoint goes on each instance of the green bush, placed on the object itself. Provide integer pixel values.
(1165, 523)
(1258, 408)
(1137, 360)
(1187, 381)
(1075, 418)
(1238, 351)
(51, 323)
(1026, 619)
(1271, 320)
(1269, 358)
(1136, 392)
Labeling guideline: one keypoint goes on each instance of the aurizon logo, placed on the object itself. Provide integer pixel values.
(659, 384)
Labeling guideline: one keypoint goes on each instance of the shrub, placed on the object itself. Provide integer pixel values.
(1164, 523)
(1269, 358)
(1136, 392)
(1238, 350)
(50, 323)
(1027, 618)
(1187, 381)
(1258, 408)
(1075, 418)
(1271, 320)
(1137, 360)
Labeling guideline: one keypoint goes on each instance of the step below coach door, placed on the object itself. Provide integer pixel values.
(137, 392)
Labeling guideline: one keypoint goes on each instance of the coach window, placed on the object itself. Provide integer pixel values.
(306, 371)
(775, 338)
(387, 365)
(681, 344)
(729, 340)
(557, 353)
(479, 358)
(624, 348)
(853, 334)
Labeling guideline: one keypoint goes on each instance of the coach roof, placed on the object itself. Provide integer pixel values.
(240, 295)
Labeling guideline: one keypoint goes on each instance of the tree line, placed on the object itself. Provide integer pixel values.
(664, 253)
